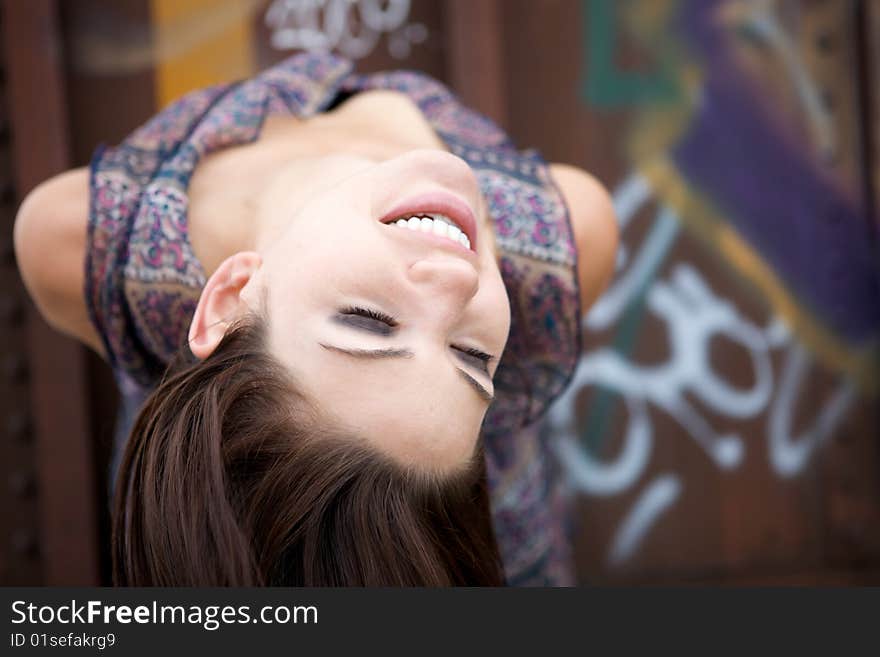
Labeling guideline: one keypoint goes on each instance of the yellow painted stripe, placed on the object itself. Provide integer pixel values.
(704, 220)
(201, 42)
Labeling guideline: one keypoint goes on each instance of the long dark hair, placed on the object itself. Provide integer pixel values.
(229, 479)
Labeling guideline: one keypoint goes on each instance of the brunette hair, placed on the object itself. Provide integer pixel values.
(229, 479)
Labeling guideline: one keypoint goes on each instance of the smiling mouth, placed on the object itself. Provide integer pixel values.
(439, 213)
(434, 223)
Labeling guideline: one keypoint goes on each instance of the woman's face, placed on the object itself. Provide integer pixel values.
(382, 326)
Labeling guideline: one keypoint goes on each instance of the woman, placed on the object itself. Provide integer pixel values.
(314, 274)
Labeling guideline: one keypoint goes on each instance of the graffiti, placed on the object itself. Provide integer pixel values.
(605, 84)
(789, 454)
(693, 314)
(733, 141)
(352, 27)
(587, 474)
(760, 21)
(659, 496)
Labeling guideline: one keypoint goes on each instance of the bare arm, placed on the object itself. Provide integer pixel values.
(595, 229)
(50, 247)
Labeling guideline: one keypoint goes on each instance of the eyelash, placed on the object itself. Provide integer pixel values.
(372, 314)
(388, 320)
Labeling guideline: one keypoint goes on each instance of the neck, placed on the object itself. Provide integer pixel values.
(375, 126)
(230, 187)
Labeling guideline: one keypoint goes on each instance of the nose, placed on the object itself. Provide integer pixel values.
(451, 280)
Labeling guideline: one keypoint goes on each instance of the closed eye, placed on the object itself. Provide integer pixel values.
(378, 315)
(383, 324)
(474, 357)
(374, 321)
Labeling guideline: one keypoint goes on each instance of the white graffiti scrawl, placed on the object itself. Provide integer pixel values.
(693, 315)
(353, 27)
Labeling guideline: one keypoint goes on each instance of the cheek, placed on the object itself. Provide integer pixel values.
(323, 264)
(499, 304)
(345, 238)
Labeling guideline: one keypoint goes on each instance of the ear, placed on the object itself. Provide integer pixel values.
(221, 302)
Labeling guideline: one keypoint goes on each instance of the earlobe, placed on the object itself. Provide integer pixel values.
(222, 302)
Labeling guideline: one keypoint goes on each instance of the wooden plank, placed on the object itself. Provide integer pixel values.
(66, 473)
(868, 19)
(476, 68)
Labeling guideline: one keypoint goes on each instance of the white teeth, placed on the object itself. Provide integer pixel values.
(436, 224)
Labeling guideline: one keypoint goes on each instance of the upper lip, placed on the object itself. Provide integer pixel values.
(438, 202)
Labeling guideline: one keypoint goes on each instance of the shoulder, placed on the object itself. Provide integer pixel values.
(594, 226)
(50, 238)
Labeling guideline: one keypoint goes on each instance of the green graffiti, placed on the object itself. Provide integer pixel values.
(596, 432)
(607, 86)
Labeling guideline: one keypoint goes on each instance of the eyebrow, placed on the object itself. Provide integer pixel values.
(484, 394)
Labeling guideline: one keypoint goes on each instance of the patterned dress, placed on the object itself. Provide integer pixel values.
(143, 279)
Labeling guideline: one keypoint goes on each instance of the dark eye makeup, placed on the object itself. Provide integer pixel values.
(379, 316)
(383, 324)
